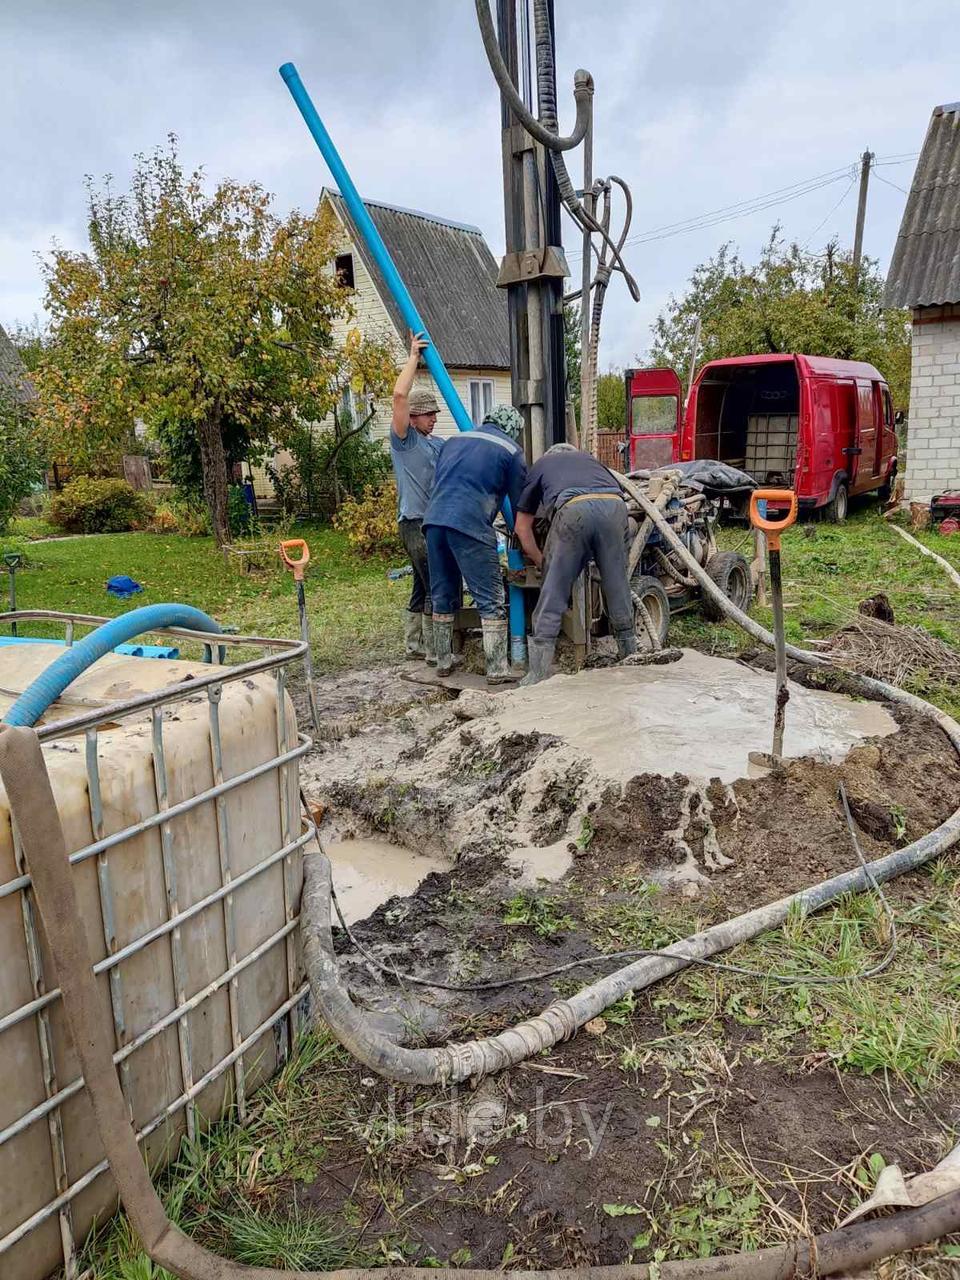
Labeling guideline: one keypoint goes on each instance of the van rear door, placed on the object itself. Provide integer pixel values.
(867, 433)
(654, 402)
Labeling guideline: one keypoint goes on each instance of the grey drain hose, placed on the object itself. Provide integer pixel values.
(27, 783)
(452, 1063)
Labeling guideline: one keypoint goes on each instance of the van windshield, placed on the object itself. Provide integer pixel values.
(653, 415)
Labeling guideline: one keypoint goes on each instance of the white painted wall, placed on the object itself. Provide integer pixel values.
(933, 438)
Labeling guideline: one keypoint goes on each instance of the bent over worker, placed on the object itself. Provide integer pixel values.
(475, 472)
(414, 451)
(588, 521)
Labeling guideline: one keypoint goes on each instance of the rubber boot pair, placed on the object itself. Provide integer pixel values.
(496, 650)
(540, 655)
(626, 642)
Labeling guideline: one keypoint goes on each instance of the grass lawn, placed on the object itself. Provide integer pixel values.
(828, 569)
(355, 611)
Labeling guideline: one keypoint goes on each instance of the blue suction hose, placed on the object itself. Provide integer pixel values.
(49, 685)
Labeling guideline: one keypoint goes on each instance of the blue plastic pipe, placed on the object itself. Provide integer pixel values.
(49, 685)
(411, 316)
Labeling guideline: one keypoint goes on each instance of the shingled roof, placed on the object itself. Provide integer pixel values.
(925, 270)
(451, 275)
(13, 375)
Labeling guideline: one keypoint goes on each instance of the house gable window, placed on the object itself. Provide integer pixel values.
(343, 269)
(481, 399)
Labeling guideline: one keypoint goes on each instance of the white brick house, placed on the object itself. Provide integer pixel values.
(925, 276)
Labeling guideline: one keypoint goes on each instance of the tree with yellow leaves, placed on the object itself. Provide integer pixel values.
(205, 315)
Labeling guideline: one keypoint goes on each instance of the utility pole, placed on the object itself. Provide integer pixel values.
(533, 268)
(866, 160)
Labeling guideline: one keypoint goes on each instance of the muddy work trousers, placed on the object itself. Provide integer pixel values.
(415, 545)
(585, 529)
(455, 556)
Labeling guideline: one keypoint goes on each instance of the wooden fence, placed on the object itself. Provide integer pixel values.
(608, 448)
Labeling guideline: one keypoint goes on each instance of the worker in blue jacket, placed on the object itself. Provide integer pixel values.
(476, 470)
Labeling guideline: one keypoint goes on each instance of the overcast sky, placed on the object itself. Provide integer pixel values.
(698, 106)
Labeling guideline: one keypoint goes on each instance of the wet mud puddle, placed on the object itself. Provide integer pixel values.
(701, 716)
(367, 872)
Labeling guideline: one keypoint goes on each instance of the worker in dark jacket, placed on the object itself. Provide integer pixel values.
(476, 470)
(588, 521)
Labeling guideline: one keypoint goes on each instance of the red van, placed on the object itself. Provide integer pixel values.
(820, 426)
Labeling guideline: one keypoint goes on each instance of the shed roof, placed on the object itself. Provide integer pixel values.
(13, 374)
(925, 270)
(451, 275)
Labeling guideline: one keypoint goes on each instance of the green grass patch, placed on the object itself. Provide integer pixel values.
(355, 612)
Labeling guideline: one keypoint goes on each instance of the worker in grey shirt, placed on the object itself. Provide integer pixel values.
(414, 451)
(588, 521)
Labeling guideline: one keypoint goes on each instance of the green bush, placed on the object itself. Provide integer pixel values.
(21, 469)
(86, 505)
(370, 522)
(329, 467)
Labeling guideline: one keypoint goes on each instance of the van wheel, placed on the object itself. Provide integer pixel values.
(836, 509)
(730, 571)
(648, 593)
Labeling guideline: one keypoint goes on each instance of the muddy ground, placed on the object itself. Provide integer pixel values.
(677, 1121)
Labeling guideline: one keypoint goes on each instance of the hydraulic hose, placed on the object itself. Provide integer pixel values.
(582, 91)
(543, 132)
(27, 784)
(49, 685)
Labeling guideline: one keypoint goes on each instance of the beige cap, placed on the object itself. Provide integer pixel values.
(422, 402)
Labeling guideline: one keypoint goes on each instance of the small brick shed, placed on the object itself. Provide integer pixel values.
(925, 276)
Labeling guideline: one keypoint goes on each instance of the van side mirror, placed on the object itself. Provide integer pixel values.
(898, 417)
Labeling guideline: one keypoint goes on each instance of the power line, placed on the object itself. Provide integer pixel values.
(741, 209)
(896, 186)
(831, 213)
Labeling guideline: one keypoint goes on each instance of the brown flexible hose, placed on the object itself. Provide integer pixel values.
(24, 775)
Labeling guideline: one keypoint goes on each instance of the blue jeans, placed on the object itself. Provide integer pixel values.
(454, 556)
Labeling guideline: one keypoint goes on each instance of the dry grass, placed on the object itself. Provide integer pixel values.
(898, 654)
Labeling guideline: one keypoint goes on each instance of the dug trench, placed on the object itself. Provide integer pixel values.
(516, 833)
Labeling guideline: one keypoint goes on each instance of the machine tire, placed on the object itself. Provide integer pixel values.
(657, 603)
(730, 571)
(835, 511)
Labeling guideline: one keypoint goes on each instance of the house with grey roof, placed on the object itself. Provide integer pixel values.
(13, 374)
(924, 275)
(451, 275)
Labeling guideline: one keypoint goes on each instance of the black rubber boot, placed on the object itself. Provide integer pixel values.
(626, 642)
(496, 647)
(541, 657)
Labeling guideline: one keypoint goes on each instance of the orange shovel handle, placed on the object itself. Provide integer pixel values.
(773, 528)
(296, 563)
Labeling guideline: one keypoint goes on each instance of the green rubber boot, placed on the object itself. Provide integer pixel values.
(413, 636)
(540, 653)
(429, 651)
(496, 645)
(443, 645)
